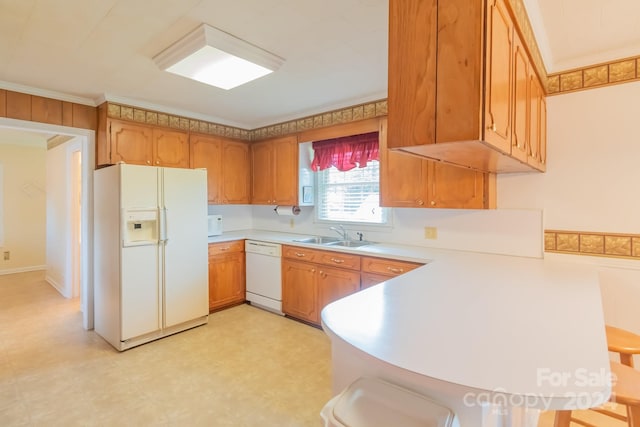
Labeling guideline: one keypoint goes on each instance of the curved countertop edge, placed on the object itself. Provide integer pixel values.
(518, 326)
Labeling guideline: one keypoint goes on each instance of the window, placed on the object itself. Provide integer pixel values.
(348, 179)
(351, 196)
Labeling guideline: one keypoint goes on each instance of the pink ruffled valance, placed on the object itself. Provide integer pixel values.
(345, 153)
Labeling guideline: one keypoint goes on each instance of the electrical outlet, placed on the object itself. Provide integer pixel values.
(431, 233)
(7, 255)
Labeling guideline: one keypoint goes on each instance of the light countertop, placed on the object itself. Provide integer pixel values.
(486, 322)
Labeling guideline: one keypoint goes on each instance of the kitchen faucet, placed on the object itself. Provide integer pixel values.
(341, 231)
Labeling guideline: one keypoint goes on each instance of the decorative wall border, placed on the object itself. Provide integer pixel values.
(355, 113)
(615, 245)
(344, 115)
(140, 115)
(592, 76)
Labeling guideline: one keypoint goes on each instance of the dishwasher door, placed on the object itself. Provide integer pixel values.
(264, 275)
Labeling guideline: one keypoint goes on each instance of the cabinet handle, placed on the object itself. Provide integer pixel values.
(337, 261)
(313, 270)
(148, 162)
(420, 202)
(395, 270)
(433, 203)
(225, 249)
(493, 127)
(300, 254)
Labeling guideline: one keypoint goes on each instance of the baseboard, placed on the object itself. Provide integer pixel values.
(23, 269)
(56, 285)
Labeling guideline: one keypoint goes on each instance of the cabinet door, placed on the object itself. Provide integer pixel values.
(537, 128)
(371, 279)
(226, 280)
(285, 170)
(336, 283)
(456, 188)
(299, 290)
(170, 148)
(235, 173)
(498, 76)
(205, 152)
(403, 178)
(413, 36)
(130, 143)
(543, 131)
(521, 104)
(262, 178)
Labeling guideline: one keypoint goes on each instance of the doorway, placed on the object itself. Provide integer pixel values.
(78, 181)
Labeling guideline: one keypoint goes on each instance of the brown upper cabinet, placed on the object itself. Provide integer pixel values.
(274, 167)
(458, 90)
(408, 181)
(227, 163)
(139, 144)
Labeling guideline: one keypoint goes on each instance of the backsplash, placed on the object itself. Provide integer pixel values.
(502, 231)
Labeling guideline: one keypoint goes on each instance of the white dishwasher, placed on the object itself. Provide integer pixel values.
(264, 275)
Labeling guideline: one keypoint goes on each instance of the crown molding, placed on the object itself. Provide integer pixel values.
(15, 87)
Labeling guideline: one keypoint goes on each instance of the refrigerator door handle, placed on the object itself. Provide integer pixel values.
(163, 225)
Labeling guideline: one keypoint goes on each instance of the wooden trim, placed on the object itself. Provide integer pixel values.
(592, 243)
(84, 116)
(67, 113)
(593, 76)
(3, 103)
(337, 131)
(46, 110)
(18, 106)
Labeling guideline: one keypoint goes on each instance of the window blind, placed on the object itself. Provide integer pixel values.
(351, 196)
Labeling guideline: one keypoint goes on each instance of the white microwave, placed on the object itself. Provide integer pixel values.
(214, 223)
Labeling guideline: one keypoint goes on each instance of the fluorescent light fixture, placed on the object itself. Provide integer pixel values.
(216, 58)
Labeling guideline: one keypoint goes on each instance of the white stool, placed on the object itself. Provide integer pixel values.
(370, 402)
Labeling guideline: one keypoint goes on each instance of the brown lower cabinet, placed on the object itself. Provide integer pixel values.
(226, 274)
(313, 278)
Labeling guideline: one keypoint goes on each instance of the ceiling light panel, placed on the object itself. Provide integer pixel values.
(216, 58)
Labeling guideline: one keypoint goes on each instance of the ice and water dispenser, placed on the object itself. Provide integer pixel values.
(140, 227)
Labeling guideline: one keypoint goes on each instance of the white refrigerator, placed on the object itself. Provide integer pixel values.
(151, 256)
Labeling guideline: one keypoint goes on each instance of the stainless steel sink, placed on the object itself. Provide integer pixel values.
(318, 240)
(349, 243)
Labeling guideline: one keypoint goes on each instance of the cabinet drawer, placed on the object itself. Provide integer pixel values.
(388, 267)
(226, 247)
(339, 259)
(301, 254)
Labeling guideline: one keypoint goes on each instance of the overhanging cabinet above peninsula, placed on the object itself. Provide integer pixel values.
(452, 86)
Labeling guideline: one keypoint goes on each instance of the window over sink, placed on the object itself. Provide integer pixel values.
(348, 180)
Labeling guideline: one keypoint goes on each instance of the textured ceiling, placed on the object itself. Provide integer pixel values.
(577, 33)
(335, 50)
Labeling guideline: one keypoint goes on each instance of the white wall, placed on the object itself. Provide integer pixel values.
(57, 214)
(593, 171)
(234, 217)
(591, 183)
(509, 231)
(24, 207)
